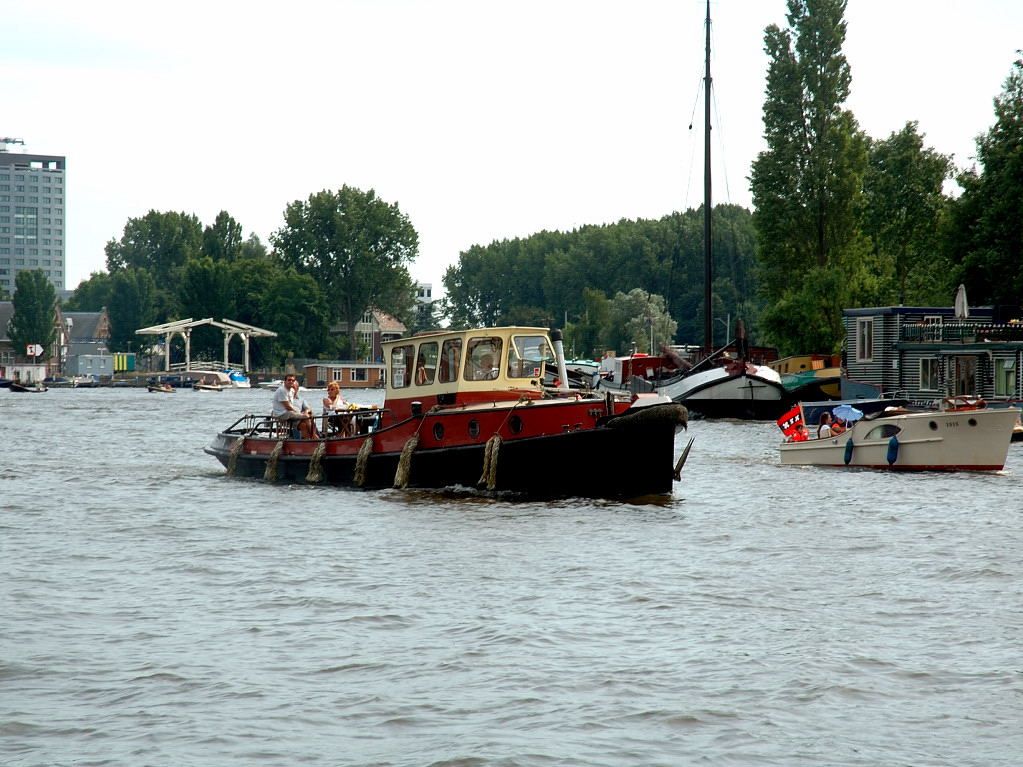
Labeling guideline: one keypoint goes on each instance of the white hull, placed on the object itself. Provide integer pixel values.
(965, 440)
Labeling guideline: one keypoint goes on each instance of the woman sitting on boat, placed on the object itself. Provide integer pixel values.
(824, 427)
(332, 404)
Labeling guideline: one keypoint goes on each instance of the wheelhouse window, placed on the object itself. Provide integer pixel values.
(426, 363)
(865, 340)
(401, 366)
(929, 375)
(482, 358)
(527, 356)
(1005, 378)
(450, 359)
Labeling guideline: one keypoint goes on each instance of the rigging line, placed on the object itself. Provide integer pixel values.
(692, 144)
(717, 119)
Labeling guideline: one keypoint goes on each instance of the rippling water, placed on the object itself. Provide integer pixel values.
(154, 612)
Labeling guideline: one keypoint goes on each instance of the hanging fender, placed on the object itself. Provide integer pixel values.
(893, 450)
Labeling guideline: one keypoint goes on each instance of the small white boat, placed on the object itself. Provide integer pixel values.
(904, 440)
(238, 379)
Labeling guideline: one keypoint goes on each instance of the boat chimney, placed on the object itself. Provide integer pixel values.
(559, 355)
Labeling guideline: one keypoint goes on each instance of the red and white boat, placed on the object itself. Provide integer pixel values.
(450, 420)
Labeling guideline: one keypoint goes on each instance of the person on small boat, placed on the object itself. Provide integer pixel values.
(287, 408)
(837, 426)
(800, 434)
(333, 403)
(824, 427)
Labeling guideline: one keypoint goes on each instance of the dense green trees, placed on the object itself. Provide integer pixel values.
(553, 276)
(807, 185)
(357, 247)
(902, 212)
(984, 239)
(34, 304)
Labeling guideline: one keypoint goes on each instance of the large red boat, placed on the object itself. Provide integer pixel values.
(470, 409)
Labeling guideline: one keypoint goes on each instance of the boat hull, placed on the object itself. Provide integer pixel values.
(970, 440)
(722, 393)
(624, 457)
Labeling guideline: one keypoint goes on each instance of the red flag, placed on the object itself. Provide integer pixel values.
(788, 422)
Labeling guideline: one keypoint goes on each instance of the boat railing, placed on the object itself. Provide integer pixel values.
(961, 332)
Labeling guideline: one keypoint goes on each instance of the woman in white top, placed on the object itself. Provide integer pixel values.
(332, 404)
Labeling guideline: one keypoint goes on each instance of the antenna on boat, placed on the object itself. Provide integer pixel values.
(708, 322)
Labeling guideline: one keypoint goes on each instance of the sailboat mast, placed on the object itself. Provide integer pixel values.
(708, 270)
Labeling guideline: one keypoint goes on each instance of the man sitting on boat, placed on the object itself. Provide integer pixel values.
(286, 409)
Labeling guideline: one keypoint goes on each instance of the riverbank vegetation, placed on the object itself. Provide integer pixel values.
(840, 219)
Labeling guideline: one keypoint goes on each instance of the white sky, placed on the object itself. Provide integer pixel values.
(482, 119)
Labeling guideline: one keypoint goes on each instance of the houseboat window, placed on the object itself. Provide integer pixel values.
(426, 363)
(359, 374)
(450, 358)
(865, 340)
(337, 374)
(482, 358)
(401, 366)
(929, 375)
(932, 328)
(1005, 378)
(527, 355)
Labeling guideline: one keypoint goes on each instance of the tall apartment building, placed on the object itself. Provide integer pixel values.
(32, 229)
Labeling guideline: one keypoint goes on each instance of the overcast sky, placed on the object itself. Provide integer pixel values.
(482, 119)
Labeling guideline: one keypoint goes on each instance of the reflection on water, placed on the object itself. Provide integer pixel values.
(156, 612)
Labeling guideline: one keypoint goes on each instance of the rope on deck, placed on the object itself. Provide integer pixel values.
(232, 458)
(270, 473)
(401, 475)
(361, 460)
(490, 453)
(315, 473)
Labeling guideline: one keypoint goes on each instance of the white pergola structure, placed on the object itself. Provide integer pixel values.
(184, 328)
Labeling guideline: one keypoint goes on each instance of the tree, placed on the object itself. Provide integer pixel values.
(637, 317)
(222, 241)
(91, 295)
(34, 302)
(903, 205)
(356, 246)
(206, 288)
(133, 305)
(985, 234)
(158, 242)
(806, 185)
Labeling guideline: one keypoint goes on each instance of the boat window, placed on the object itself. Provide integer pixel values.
(883, 431)
(482, 358)
(528, 355)
(426, 363)
(450, 356)
(401, 366)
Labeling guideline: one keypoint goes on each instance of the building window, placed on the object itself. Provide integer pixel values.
(865, 340)
(929, 375)
(360, 374)
(1005, 378)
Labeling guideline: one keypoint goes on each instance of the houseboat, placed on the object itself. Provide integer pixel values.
(926, 355)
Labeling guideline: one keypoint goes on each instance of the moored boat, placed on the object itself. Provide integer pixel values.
(900, 439)
(162, 388)
(30, 388)
(447, 420)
